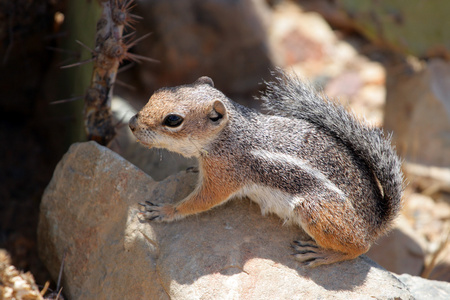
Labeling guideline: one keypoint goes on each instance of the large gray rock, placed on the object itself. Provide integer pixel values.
(90, 211)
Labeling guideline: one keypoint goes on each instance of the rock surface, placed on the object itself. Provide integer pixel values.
(400, 251)
(191, 38)
(423, 289)
(90, 212)
(418, 111)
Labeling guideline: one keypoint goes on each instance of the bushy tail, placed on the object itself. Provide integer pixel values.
(290, 97)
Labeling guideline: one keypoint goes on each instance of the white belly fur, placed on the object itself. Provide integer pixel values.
(273, 201)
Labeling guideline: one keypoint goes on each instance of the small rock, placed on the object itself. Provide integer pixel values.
(300, 39)
(345, 84)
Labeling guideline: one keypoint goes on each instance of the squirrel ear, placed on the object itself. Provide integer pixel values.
(205, 80)
(218, 111)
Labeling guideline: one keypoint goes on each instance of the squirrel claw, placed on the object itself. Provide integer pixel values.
(158, 212)
(305, 244)
(307, 252)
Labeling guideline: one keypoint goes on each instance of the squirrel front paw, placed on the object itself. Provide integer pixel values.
(158, 212)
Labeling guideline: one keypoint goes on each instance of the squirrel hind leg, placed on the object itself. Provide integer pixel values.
(312, 255)
(338, 232)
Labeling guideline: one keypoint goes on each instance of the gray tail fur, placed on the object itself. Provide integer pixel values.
(288, 96)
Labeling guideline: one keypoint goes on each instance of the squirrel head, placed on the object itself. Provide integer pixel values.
(183, 119)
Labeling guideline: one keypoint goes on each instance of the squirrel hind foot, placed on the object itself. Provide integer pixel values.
(309, 254)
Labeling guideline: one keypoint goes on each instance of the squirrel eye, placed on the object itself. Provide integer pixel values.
(173, 120)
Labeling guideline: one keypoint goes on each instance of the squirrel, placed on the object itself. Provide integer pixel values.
(309, 161)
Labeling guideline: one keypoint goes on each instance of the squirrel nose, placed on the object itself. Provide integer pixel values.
(133, 123)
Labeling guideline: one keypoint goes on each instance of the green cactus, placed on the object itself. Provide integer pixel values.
(418, 27)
